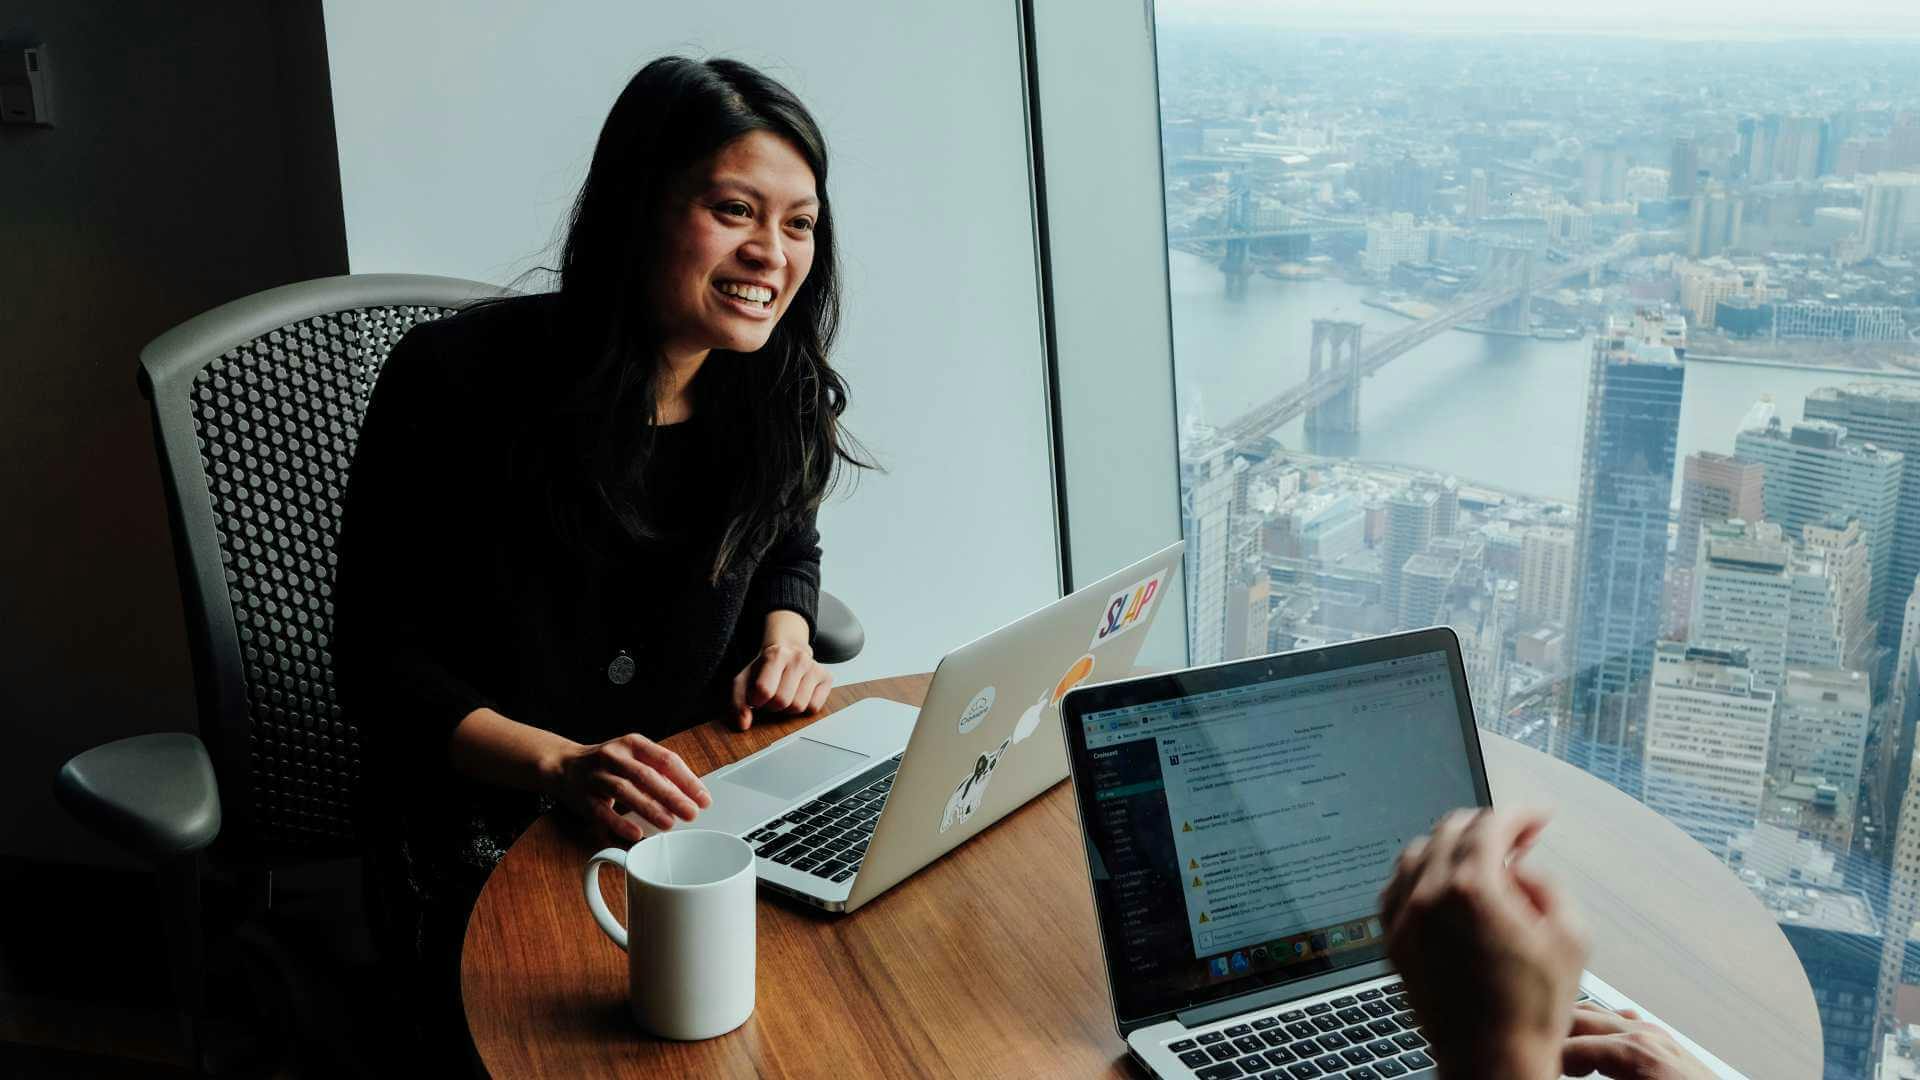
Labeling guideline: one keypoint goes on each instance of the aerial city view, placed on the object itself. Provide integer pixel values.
(1603, 350)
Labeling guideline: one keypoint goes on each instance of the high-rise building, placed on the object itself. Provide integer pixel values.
(1246, 616)
(1715, 487)
(1683, 168)
(1895, 746)
(1903, 903)
(1481, 622)
(1604, 173)
(1888, 416)
(1207, 487)
(1754, 589)
(1841, 546)
(1398, 239)
(1814, 471)
(1892, 211)
(1477, 195)
(1707, 737)
(1903, 141)
(1796, 154)
(1820, 726)
(1713, 222)
(1704, 287)
(1425, 580)
(1546, 575)
(1620, 560)
(1412, 522)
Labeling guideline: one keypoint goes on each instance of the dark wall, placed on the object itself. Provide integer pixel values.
(193, 162)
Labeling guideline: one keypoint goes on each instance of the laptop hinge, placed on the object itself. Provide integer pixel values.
(1274, 995)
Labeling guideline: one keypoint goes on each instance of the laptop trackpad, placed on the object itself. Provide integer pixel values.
(795, 768)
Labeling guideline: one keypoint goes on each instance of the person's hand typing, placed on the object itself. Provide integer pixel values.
(783, 678)
(603, 781)
(1490, 954)
(1622, 1046)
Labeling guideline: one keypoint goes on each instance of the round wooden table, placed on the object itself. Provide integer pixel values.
(987, 962)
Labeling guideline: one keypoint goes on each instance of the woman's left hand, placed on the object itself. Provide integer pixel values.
(784, 678)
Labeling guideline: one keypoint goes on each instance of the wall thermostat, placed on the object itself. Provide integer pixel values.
(25, 89)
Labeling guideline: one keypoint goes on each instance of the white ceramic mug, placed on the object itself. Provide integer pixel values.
(690, 903)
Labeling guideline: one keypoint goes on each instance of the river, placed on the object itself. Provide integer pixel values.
(1501, 411)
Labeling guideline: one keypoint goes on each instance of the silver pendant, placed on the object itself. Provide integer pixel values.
(620, 671)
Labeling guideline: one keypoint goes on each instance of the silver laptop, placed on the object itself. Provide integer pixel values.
(1240, 821)
(841, 810)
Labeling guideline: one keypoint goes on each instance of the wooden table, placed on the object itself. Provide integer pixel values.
(987, 963)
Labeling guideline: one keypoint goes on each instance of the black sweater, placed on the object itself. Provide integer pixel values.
(455, 590)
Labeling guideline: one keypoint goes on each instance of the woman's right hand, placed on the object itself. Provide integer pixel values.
(602, 782)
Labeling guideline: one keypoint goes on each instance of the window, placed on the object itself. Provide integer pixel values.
(1604, 350)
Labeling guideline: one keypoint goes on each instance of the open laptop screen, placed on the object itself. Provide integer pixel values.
(1242, 819)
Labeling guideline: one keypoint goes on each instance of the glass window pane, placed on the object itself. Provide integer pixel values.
(1604, 350)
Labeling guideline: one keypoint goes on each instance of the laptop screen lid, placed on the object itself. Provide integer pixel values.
(988, 735)
(1241, 819)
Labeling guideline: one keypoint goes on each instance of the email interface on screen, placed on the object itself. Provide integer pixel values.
(1245, 833)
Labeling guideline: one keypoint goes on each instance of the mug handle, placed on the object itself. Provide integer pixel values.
(598, 904)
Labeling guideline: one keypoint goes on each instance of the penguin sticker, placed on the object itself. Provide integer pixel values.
(968, 796)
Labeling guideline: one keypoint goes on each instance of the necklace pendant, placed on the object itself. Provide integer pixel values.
(620, 671)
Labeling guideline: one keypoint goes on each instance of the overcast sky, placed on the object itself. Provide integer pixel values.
(1660, 18)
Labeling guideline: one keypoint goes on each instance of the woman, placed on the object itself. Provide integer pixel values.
(582, 521)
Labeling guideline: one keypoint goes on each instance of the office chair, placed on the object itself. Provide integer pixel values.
(257, 407)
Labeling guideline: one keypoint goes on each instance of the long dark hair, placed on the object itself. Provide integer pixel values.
(778, 410)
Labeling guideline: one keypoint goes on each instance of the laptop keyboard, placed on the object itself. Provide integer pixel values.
(827, 837)
(1365, 1035)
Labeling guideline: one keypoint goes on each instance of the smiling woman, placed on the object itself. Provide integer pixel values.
(581, 521)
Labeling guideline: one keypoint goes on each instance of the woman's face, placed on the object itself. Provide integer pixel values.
(739, 242)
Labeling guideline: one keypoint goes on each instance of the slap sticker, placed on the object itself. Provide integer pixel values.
(973, 790)
(1125, 610)
(976, 710)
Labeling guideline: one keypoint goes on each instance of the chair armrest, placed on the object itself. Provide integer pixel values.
(837, 635)
(155, 795)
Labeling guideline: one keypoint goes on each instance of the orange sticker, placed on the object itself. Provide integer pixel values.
(1075, 675)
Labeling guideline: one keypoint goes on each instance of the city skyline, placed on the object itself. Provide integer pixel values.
(1408, 269)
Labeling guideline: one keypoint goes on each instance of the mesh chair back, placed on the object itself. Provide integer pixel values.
(257, 407)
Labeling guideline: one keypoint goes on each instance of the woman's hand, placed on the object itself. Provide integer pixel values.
(1623, 1046)
(632, 772)
(1489, 952)
(784, 678)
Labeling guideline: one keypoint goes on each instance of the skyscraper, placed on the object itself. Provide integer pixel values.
(1796, 154)
(1820, 726)
(1715, 487)
(1892, 210)
(1903, 903)
(1412, 521)
(1477, 195)
(1207, 485)
(1604, 173)
(1888, 416)
(1682, 168)
(1620, 560)
(1814, 471)
(1713, 222)
(1546, 575)
(1707, 742)
(1755, 590)
(1893, 767)
(1841, 545)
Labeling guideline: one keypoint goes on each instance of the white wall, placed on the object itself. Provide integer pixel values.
(465, 129)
